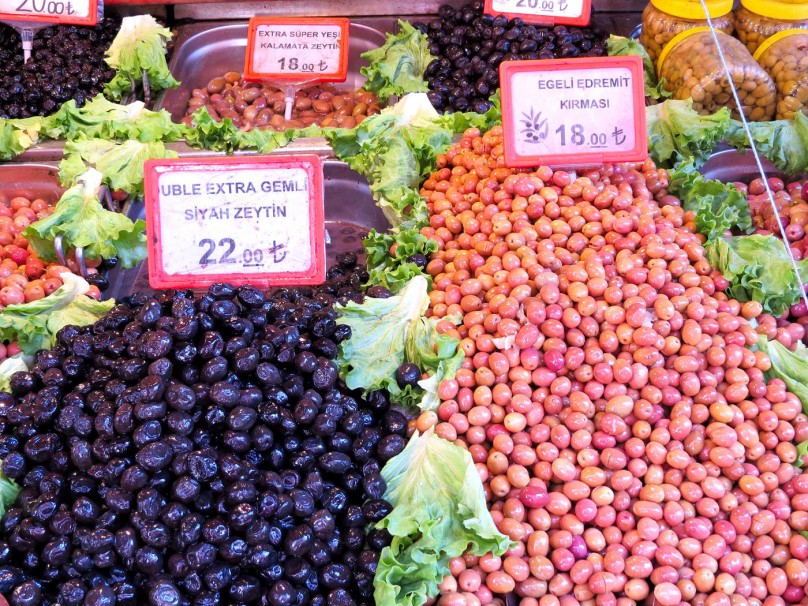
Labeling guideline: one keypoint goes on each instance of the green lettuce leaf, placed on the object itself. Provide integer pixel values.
(395, 149)
(386, 333)
(676, 131)
(398, 67)
(10, 366)
(9, 490)
(622, 46)
(438, 354)
(802, 455)
(121, 164)
(139, 46)
(18, 135)
(683, 176)
(223, 135)
(718, 207)
(789, 366)
(393, 270)
(103, 119)
(783, 142)
(34, 325)
(439, 512)
(758, 269)
(82, 221)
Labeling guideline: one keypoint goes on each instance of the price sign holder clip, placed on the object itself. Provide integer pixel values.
(293, 53)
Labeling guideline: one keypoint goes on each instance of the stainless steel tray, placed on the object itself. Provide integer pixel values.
(732, 165)
(350, 212)
(31, 181)
(205, 51)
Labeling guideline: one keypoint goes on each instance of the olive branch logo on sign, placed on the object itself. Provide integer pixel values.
(536, 129)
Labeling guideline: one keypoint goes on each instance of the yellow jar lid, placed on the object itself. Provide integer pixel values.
(691, 9)
(677, 39)
(771, 40)
(787, 10)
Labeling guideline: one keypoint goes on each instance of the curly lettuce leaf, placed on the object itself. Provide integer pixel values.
(34, 325)
(438, 354)
(388, 253)
(394, 150)
(140, 46)
(121, 164)
(718, 207)
(398, 67)
(790, 366)
(683, 176)
(9, 490)
(802, 454)
(223, 135)
(622, 46)
(783, 142)
(103, 119)
(82, 221)
(11, 366)
(386, 333)
(758, 268)
(676, 131)
(439, 512)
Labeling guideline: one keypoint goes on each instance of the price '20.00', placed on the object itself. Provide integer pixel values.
(46, 7)
(544, 5)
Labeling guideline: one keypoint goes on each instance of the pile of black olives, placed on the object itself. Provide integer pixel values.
(198, 450)
(470, 45)
(67, 62)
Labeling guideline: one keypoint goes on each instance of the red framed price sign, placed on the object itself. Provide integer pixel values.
(252, 221)
(549, 12)
(573, 111)
(297, 49)
(72, 12)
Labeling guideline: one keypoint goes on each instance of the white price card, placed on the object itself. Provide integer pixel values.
(297, 49)
(252, 221)
(550, 12)
(74, 12)
(573, 111)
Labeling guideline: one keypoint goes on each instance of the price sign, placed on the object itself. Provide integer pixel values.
(573, 111)
(75, 12)
(252, 221)
(551, 12)
(297, 50)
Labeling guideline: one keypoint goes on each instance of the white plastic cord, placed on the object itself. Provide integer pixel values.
(755, 153)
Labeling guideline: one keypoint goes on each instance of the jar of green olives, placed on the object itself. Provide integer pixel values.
(757, 20)
(691, 68)
(664, 19)
(785, 57)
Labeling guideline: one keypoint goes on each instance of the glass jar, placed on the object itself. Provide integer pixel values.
(662, 20)
(692, 68)
(785, 57)
(756, 20)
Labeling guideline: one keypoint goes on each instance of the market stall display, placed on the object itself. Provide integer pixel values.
(535, 386)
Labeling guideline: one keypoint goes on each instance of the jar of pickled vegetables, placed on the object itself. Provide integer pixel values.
(692, 68)
(785, 57)
(756, 20)
(664, 19)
